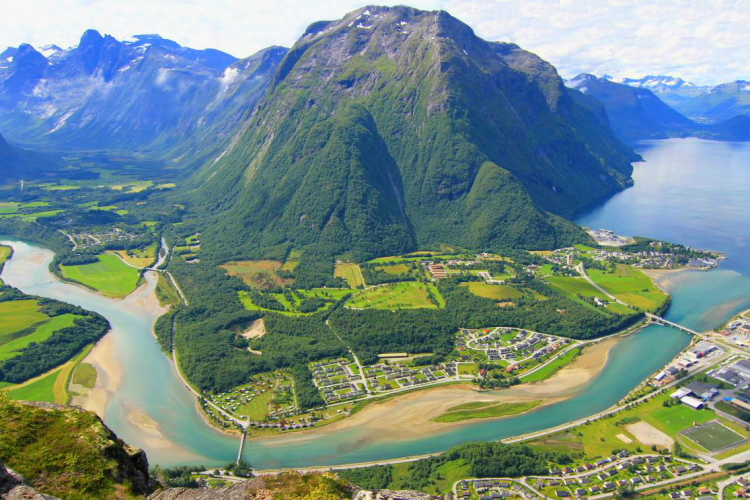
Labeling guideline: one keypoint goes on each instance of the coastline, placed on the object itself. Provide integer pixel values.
(410, 416)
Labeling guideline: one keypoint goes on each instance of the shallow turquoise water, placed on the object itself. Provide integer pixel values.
(688, 191)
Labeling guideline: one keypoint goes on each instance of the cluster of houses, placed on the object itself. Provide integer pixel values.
(492, 489)
(595, 479)
(284, 426)
(336, 381)
(405, 376)
(524, 345)
(86, 239)
(744, 489)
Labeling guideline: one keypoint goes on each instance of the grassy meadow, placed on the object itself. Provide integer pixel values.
(110, 276)
(404, 295)
(630, 285)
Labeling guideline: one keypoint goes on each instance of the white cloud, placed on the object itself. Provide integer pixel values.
(703, 41)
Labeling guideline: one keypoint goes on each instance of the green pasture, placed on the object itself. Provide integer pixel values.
(111, 276)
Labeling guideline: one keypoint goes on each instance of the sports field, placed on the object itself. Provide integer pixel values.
(16, 316)
(630, 285)
(351, 273)
(494, 292)
(713, 436)
(405, 295)
(111, 276)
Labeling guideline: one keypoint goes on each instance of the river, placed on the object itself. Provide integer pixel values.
(687, 191)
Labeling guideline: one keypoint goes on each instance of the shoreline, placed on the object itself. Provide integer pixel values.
(410, 416)
(109, 372)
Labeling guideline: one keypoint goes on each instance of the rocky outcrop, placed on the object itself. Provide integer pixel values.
(49, 434)
(13, 487)
(394, 495)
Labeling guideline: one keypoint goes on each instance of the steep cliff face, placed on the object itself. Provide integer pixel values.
(382, 122)
(68, 452)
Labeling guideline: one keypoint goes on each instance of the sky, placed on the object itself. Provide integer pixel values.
(703, 41)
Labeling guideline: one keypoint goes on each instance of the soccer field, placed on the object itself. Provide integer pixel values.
(713, 436)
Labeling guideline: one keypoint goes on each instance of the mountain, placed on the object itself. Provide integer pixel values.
(672, 90)
(395, 127)
(147, 95)
(719, 103)
(637, 113)
(17, 164)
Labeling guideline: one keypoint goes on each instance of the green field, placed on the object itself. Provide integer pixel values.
(630, 285)
(494, 292)
(331, 295)
(351, 273)
(5, 253)
(16, 316)
(575, 286)
(40, 390)
(405, 295)
(461, 412)
(111, 276)
(713, 436)
(553, 367)
(599, 438)
(395, 269)
(85, 375)
(42, 333)
(292, 261)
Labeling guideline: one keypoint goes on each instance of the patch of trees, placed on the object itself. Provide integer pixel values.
(76, 259)
(376, 477)
(307, 394)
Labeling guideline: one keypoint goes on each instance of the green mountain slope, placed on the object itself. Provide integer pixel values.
(380, 131)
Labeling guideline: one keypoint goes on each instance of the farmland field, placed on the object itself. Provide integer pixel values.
(111, 276)
(713, 436)
(16, 316)
(139, 257)
(41, 334)
(574, 286)
(494, 292)
(261, 274)
(630, 285)
(405, 295)
(292, 261)
(351, 273)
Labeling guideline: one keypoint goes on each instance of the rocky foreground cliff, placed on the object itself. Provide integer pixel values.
(56, 452)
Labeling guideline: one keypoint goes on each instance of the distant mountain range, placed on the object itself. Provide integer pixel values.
(636, 113)
(148, 94)
(704, 104)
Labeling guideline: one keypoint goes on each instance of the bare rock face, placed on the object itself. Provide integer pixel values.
(13, 487)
